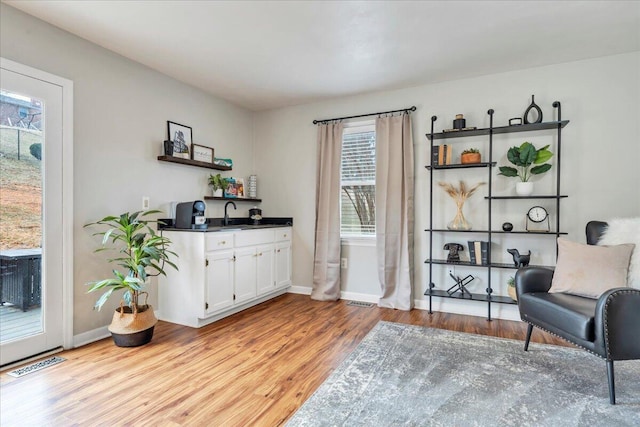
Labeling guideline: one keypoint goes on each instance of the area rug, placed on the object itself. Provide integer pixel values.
(403, 375)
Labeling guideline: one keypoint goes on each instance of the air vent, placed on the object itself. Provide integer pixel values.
(36, 366)
(360, 304)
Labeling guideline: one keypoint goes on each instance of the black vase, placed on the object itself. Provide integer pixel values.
(535, 111)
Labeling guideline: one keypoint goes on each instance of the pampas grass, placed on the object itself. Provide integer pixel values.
(459, 194)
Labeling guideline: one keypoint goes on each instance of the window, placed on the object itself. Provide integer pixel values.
(358, 180)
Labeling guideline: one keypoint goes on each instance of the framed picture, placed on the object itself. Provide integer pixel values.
(240, 187)
(202, 153)
(182, 139)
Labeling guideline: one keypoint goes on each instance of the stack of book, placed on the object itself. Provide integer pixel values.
(479, 252)
(441, 155)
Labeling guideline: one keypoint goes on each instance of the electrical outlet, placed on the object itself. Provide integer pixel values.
(343, 263)
(145, 202)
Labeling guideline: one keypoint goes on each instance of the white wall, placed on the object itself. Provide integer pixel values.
(601, 149)
(121, 110)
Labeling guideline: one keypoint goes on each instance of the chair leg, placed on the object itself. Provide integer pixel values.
(526, 341)
(612, 385)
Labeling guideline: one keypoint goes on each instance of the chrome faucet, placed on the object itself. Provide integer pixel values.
(226, 215)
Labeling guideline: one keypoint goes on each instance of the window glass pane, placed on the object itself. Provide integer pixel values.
(358, 177)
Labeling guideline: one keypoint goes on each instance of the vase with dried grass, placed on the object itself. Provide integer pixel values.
(459, 195)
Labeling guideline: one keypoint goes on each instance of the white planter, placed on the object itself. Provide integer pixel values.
(524, 188)
(217, 193)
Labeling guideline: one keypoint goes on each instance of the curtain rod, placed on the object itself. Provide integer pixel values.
(315, 122)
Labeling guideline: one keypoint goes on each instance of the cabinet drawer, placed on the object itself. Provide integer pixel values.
(283, 234)
(254, 237)
(215, 241)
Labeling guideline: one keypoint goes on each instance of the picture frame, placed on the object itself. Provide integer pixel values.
(181, 136)
(202, 153)
(240, 189)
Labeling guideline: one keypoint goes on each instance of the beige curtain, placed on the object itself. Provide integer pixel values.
(394, 210)
(326, 263)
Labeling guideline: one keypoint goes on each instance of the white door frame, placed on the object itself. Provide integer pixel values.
(67, 187)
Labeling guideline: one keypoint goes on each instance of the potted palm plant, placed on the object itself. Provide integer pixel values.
(141, 253)
(524, 157)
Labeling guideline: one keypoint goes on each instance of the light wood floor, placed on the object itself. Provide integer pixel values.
(254, 368)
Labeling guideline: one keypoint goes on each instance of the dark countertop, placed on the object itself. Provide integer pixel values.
(235, 224)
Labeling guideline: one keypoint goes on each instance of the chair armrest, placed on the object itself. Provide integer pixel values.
(617, 323)
(533, 279)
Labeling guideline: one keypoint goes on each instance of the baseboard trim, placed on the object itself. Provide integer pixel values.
(302, 290)
(354, 296)
(91, 336)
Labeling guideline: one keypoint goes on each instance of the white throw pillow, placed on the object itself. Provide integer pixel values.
(625, 230)
(588, 270)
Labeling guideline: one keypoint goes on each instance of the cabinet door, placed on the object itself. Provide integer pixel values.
(264, 279)
(220, 278)
(246, 270)
(283, 264)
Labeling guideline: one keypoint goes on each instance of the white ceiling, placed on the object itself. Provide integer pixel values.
(269, 54)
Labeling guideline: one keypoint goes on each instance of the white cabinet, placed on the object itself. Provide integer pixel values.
(220, 280)
(282, 259)
(221, 273)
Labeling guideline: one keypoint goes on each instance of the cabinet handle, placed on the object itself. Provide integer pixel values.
(285, 235)
(224, 242)
(278, 250)
(260, 254)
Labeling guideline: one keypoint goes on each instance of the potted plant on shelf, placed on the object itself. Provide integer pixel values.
(524, 157)
(218, 183)
(511, 288)
(470, 155)
(141, 253)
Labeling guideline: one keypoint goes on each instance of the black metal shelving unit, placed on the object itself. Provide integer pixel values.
(488, 296)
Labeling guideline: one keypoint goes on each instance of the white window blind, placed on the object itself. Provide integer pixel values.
(358, 181)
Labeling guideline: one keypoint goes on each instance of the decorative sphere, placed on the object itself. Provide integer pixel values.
(507, 226)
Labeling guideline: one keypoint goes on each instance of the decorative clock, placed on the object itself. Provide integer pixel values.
(536, 218)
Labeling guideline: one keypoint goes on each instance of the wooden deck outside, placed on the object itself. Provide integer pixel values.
(15, 323)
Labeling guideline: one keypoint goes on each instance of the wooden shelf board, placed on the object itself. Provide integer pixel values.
(543, 233)
(233, 199)
(462, 166)
(526, 197)
(190, 162)
(500, 130)
(468, 264)
(473, 297)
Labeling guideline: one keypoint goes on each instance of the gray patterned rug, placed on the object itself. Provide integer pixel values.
(416, 376)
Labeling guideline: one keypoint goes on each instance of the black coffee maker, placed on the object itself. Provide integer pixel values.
(191, 215)
(255, 215)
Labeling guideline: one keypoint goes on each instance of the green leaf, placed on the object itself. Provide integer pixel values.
(527, 154)
(543, 155)
(513, 155)
(537, 170)
(508, 171)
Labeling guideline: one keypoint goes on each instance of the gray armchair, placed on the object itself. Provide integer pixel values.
(608, 327)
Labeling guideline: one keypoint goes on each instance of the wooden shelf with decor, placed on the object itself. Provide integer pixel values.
(189, 162)
(486, 230)
(233, 199)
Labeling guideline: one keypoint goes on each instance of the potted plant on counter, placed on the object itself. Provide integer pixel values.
(141, 253)
(524, 157)
(218, 183)
(470, 155)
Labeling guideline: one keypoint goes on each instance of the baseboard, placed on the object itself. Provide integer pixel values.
(470, 308)
(354, 296)
(302, 290)
(91, 336)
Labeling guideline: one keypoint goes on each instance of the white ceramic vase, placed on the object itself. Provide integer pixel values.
(217, 193)
(524, 188)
